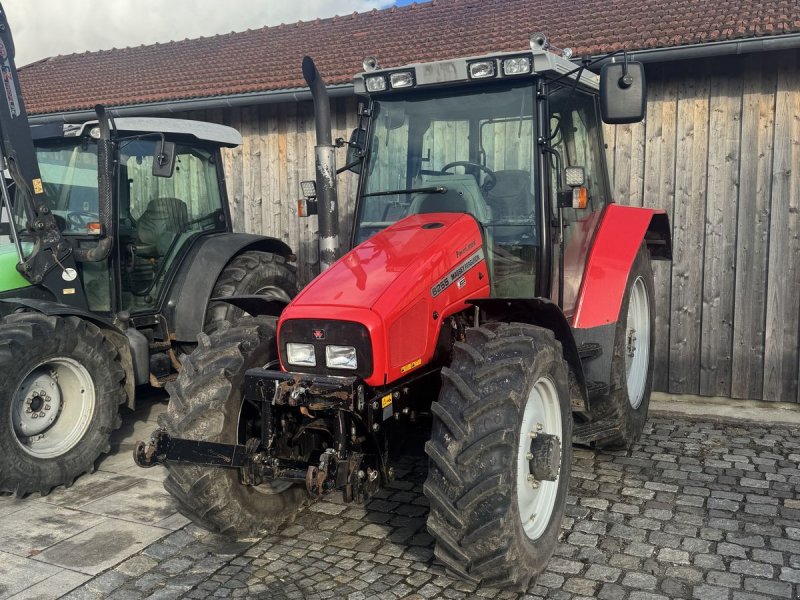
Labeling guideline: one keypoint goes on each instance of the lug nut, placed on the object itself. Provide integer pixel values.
(47, 407)
(34, 416)
(539, 427)
(529, 456)
(533, 435)
(531, 478)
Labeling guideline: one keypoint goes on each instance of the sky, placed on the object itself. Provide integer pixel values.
(43, 28)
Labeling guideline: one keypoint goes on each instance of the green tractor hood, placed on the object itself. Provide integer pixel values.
(10, 279)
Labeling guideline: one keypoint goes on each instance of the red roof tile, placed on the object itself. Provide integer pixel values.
(269, 58)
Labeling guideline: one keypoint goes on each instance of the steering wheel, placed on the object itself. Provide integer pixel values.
(80, 219)
(491, 178)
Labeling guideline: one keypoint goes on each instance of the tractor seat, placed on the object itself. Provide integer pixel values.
(160, 223)
(462, 196)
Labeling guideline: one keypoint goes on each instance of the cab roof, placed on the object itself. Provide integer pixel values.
(201, 130)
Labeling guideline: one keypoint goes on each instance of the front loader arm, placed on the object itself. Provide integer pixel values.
(51, 262)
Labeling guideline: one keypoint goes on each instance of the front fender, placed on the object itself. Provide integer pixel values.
(191, 289)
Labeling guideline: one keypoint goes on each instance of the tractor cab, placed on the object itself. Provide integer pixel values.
(167, 190)
(514, 140)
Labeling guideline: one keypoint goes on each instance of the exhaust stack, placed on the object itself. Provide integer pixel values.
(325, 162)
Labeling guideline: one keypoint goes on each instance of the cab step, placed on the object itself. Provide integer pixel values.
(589, 350)
(597, 430)
(597, 389)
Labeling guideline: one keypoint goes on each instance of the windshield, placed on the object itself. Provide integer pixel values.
(69, 174)
(468, 151)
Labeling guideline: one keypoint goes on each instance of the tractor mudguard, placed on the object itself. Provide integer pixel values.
(56, 309)
(616, 243)
(190, 290)
(543, 313)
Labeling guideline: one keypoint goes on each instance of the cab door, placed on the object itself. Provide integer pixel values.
(577, 137)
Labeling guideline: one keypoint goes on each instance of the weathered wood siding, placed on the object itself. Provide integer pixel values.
(719, 150)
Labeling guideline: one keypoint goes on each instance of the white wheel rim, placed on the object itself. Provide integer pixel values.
(536, 499)
(637, 342)
(63, 394)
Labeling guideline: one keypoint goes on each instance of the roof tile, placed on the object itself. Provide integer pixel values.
(269, 58)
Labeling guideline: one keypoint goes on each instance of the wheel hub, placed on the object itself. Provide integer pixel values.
(545, 457)
(41, 403)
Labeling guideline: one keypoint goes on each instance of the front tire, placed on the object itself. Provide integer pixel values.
(60, 394)
(206, 403)
(495, 511)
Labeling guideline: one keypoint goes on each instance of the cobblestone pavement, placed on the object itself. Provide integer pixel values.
(697, 510)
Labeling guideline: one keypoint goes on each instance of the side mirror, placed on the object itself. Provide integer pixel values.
(164, 159)
(623, 93)
(355, 150)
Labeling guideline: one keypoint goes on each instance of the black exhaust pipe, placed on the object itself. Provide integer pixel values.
(325, 161)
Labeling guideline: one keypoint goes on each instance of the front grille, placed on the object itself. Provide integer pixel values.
(337, 333)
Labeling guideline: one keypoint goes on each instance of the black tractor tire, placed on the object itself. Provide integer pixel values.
(475, 453)
(75, 362)
(249, 273)
(205, 403)
(628, 419)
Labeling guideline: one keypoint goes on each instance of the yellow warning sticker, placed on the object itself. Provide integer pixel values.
(38, 188)
(386, 401)
(411, 365)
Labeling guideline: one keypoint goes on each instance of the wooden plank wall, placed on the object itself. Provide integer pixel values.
(719, 150)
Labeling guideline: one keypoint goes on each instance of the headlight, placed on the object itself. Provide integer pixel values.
(517, 66)
(301, 355)
(402, 79)
(376, 83)
(341, 357)
(481, 69)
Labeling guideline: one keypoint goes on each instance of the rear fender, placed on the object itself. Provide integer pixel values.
(113, 333)
(542, 313)
(616, 243)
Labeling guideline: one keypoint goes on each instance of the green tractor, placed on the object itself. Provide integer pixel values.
(118, 250)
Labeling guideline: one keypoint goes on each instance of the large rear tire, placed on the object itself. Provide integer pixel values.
(206, 404)
(632, 363)
(250, 273)
(495, 515)
(60, 393)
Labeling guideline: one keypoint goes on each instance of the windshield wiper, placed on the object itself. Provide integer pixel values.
(439, 189)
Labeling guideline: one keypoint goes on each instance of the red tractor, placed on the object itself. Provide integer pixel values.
(491, 284)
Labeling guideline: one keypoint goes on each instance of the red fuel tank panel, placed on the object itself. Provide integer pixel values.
(401, 284)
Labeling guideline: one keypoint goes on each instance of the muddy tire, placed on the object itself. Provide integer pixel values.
(60, 394)
(632, 363)
(250, 273)
(505, 381)
(205, 404)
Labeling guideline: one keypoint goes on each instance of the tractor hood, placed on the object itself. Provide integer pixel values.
(10, 279)
(400, 285)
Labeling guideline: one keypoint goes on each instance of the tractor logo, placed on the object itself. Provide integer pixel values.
(319, 334)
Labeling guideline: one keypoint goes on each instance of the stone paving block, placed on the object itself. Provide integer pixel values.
(146, 502)
(89, 488)
(102, 546)
(40, 526)
(18, 573)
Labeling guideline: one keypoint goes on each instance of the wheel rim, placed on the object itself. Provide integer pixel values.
(637, 342)
(53, 407)
(536, 499)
